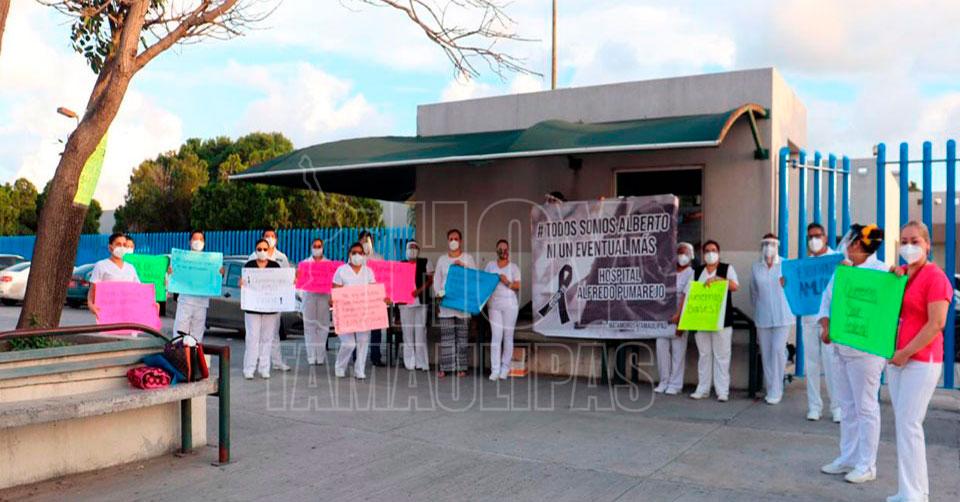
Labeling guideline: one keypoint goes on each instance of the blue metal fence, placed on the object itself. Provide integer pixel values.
(295, 243)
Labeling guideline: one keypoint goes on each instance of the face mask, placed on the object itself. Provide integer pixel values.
(316, 252)
(356, 259)
(272, 241)
(711, 258)
(119, 251)
(412, 253)
(911, 253)
(769, 251)
(261, 255)
(454, 245)
(815, 244)
(683, 260)
(367, 248)
(196, 245)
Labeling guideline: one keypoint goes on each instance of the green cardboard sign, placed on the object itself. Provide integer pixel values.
(90, 174)
(865, 309)
(152, 269)
(704, 307)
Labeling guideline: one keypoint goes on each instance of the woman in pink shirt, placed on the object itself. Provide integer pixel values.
(915, 368)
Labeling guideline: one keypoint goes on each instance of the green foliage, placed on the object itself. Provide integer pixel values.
(36, 342)
(160, 193)
(18, 208)
(96, 27)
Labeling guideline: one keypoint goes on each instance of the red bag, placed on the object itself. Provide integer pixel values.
(146, 377)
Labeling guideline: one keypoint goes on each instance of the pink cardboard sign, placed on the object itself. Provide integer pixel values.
(398, 277)
(316, 276)
(126, 302)
(359, 308)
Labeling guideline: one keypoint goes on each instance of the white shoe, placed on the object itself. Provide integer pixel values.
(248, 376)
(311, 362)
(359, 376)
(836, 416)
(660, 389)
(282, 366)
(836, 467)
(858, 476)
(321, 362)
(494, 377)
(340, 374)
(504, 374)
(699, 395)
(813, 415)
(672, 392)
(772, 401)
(723, 399)
(265, 376)
(896, 498)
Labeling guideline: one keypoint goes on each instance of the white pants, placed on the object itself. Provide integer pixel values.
(316, 326)
(275, 353)
(911, 388)
(190, 319)
(773, 353)
(413, 323)
(857, 384)
(258, 342)
(348, 342)
(713, 365)
(671, 359)
(818, 356)
(503, 320)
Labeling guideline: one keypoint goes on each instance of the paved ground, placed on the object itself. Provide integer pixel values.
(401, 435)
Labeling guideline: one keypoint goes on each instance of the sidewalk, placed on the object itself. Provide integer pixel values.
(306, 436)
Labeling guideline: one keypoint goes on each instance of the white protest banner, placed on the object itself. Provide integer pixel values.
(268, 290)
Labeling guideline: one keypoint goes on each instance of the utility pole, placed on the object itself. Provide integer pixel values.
(553, 66)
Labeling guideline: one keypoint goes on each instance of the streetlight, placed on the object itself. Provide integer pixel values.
(66, 112)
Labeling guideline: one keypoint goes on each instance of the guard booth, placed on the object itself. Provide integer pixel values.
(890, 202)
(480, 166)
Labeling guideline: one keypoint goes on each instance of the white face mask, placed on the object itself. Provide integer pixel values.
(272, 241)
(317, 252)
(815, 244)
(769, 251)
(196, 245)
(454, 245)
(119, 251)
(412, 253)
(367, 247)
(711, 258)
(683, 260)
(356, 259)
(911, 253)
(262, 255)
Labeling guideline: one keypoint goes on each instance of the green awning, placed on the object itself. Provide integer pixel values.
(384, 167)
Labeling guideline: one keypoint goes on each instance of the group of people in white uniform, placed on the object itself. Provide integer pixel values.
(852, 377)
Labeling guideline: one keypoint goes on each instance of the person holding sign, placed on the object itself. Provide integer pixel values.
(376, 336)
(273, 254)
(413, 316)
(857, 373)
(191, 316)
(915, 368)
(502, 309)
(816, 354)
(713, 365)
(454, 324)
(672, 351)
(772, 315)
(352, 274)
(260, 326)
(316, 315)
(111, 269)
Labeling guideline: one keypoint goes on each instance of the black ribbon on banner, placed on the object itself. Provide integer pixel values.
(559, 299)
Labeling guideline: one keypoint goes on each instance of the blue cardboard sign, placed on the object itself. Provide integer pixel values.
(805, 279)
(196, 273)
(468, 289)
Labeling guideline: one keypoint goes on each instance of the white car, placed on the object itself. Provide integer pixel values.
(13, 283)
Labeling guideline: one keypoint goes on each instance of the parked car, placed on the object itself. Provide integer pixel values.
(9, 260)
(224, 311)
(79, 286)
(13, 283)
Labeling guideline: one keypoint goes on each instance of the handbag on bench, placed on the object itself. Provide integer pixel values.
(185, 354)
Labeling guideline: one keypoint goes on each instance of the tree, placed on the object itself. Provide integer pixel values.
(25, 197)
(91, 220)
(118, 38)
(4, 9)
(160, 191)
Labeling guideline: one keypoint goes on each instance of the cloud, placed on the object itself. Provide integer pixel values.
(305, 103)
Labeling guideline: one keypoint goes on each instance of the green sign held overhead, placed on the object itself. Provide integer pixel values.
(91, 174)
(152, 269)
(865, 309)
(704, 307)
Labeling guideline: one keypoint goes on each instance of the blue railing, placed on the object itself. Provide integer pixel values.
(295, 243)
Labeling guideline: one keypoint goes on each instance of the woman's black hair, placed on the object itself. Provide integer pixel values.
(870, 237)
(503, 241)
(711, 241)
(114, 236)
(354, 245)
(259, 241)
(195, 232)
(316, 241)
(454, 230)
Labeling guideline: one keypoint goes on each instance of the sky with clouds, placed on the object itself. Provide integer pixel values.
(319, 70)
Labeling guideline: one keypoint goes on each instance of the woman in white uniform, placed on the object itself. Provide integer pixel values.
(352, 274)
(772, 316)
(260, 326)
(672, 351)
(413, 316)
(502, 310)
(857, 374)
(713, 365)
(191, 316)
(316, 315)
(111, 269)
(454, 324)
(817, 356)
